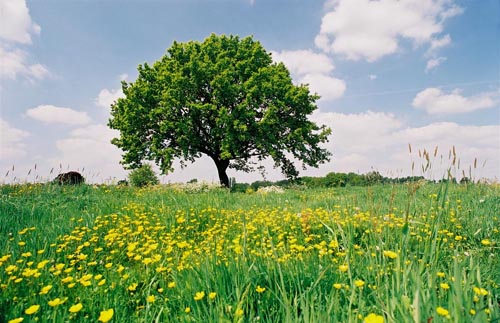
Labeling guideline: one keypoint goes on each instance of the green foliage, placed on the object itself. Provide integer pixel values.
(223, 97)
(143, 176)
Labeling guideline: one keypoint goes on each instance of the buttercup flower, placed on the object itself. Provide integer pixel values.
(442, 311)
(76, 308)
(373, 318)
(106, 315)
(32, 309)
(199, 296)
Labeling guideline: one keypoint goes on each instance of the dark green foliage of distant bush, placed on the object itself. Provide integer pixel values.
(143, 176)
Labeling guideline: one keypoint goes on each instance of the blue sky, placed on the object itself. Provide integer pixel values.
(390, 73)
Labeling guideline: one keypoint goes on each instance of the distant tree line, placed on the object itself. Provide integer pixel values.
(330, 180)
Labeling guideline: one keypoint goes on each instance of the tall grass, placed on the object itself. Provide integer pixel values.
(398, 253)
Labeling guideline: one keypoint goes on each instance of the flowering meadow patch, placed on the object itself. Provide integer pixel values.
(276, 260)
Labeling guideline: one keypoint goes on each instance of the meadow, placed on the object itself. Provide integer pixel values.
(418, 252)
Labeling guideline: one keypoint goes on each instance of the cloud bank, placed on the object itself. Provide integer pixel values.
(369, 30)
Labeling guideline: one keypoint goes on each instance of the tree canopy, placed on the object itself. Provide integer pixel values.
(223, 97)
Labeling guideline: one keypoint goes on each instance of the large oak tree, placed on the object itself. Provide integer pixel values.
(223, 97)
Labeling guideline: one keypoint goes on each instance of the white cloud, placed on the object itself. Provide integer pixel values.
(435, 101)
(364, 29)
(12, 141)
(440, 42)
(16, 27)
(452, 11)
(107, 97)
(90, 148)
(377, 140)
(14, 63)
(16, 24)
(301, 62)
(308, 67)
(329, 88)
(372, 77)
(433, 63)
(52, 115)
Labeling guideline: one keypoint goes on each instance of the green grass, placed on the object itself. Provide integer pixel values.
(422, 252)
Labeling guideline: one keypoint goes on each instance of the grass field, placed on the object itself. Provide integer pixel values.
(394, 253)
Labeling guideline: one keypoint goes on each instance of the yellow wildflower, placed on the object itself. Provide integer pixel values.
(18, 320)
(359, 283)
(373, 318)
(42, 264)
(187, 309)
(444, 286)
(485, 242)
(337, 285)
(45, 289)
(199, 296)
(132, 287)
(106, 315)
(480, 291)
(76, 308)
(212, 295)
(260, 289)
(442, 311)
(151, 299)
(32, 309)
(390, 254)
(55, 302)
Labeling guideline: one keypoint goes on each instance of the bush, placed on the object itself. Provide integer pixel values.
(143, 176)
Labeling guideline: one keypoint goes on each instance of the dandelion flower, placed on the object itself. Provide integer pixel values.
(260, 289)
(187, 310)
(199, 296)
(171, 285)
(212, 295)
(343, 268)
(337, 285)
(32, 309)
(76, 308)
(106, 315)
(151, 299)
(373, 318)
(18, 320)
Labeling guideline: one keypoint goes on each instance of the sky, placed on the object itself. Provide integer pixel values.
(396, 78)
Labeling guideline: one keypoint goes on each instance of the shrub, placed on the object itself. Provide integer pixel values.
(143, 176)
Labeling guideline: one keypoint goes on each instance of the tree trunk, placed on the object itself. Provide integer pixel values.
(221, 169)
